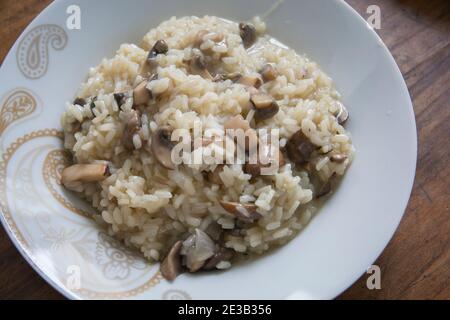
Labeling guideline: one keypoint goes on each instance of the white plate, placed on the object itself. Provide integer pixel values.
(48, 62)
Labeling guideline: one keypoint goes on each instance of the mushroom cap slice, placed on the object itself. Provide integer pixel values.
(141, 95)
(268, 72)
(248, 34)
(197, 65)
(234, 77)
(84, 173)
(197, 248)
(338, 158)
(121, 97)
(132, 126)
(265, 106)
(245, 212)
(342, 114)
(299, 148)
(322, 187)
(223, 254)
(162, 147)
(171, 265)
(79, 101)
(160, 47)
(213, 176)
(251, 81)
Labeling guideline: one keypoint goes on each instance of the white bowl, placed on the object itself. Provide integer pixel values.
(48, 62)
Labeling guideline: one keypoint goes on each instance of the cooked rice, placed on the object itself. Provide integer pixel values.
(148, 206)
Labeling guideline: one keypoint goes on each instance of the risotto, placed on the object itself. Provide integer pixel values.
(209, 205)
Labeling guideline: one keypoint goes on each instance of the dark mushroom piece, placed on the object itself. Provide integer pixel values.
(223, 254)
(342, 114)
(92, 103)
(171, 265)
(338, 158)
(246, 212)
(265, 106)
(141, 95)
(321, 187)
(248, 34)
(132, 126)
(299, 148)
(269, 72)
(160, 47)
(214, 231)
(197, 65)
(121, 97)
(162, 147)
(79, 101)
(84, 173)
(213, 176)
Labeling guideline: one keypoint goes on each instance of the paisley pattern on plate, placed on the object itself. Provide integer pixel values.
(18, 104)
(49, 230)
(116, 259)
(33, 50)
(174, 294)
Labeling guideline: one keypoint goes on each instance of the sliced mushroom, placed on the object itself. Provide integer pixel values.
(235, 76)
(269, 72)
(197, 249)
(251, 81)
(213, 176)
(223, 254)
(162, 147)
(197, 65)
(171, 265)
(338, 158)
(248, 34)
(321, 187)
(246, 212)
(160, 47)
(214, 231)
(84, 173)
(342, 114)
(76, 127)
(265, 106)
(121, 97)
(79, 101)
(141, 95)
(299, 148)
(132, 126)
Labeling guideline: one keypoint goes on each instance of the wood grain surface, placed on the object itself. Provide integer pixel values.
(416, 263)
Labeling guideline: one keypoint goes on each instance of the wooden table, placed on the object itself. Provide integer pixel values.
(416, 263)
